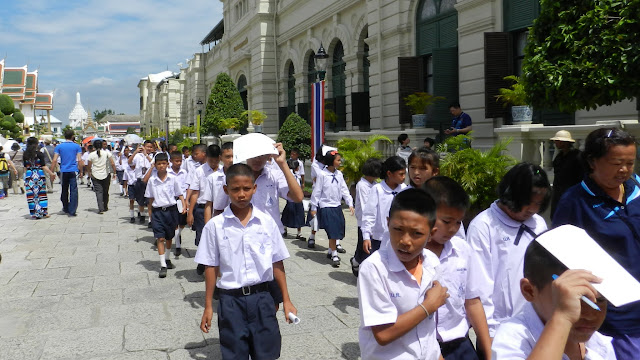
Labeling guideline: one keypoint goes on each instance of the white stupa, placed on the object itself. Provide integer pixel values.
(78, 115)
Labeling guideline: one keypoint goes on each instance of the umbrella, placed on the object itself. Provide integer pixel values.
(86, 140)
(130, 139)
(252, 145)
(7, 145)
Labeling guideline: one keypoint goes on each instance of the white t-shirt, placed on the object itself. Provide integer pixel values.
(376, 211)
(99, 164)
(141, 165)
(164, 193)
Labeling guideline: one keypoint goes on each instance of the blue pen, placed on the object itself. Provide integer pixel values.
(584, 298)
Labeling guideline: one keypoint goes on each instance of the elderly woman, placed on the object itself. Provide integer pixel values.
(607, 205)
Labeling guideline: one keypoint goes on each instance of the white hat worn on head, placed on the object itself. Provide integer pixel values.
(563, 135)
(252, 145)
(326, 149)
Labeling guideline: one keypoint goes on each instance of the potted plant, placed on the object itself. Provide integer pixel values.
(355, 152)
(231, 125)
(521, 112)
(418, 103)
(256, 117)
(330, 118)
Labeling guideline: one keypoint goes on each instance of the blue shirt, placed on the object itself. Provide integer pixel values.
(616, 227)
(461, 121)
(68, 151)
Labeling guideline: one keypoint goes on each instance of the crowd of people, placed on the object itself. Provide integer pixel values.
(423, 280)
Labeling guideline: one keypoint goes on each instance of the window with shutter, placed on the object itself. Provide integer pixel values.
(445, 83)
(519, 14)
(409, 81)
(304, 112)
(291, 90)
(282, 115)
(242, 88)
(338, 85)
(360, 110)
(497, 65)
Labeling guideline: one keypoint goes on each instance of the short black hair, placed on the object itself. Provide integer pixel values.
(293, 164)
(319, 156)
(239, 170)
(417, 201)
(540, 265)
(402, 137)
(516, 187)
(295, 150)
(446, 191)
(176, 154)
(598, 143)
(213, 151)
(199, 147)
(161, 157)
(455, 105)
(372, 167)
(185, 148)
(150, 142)
(429, 140)
(68, 134)
(227, 146)
(427, 155)
(393, 163)
(330, 157)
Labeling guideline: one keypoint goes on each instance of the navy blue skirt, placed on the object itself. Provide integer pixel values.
(332, 221)
(293, 215)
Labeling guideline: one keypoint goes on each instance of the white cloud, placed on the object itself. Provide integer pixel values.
(101, 81)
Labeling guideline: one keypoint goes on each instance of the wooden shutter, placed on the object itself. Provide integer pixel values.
(409, 81)
(448, 32)
(427, 38)
(520, 14)
(282, 115)
(304, 112)
(445, 83)
(341, 112)
(360, 110)
(498, 55)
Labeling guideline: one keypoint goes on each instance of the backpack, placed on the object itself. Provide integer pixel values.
(4, 166)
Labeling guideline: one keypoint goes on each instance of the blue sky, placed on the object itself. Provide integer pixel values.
(102, 48)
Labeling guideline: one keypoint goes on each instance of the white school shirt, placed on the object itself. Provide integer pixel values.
(190, 165)
(245, 255)
(197, 180)
(215, 182)
(129, 173)
(270, 185)
(497, 262)
(84, 157)
(386, 290)
(329, 189)
(181, 178)
(117, 156)
(141, 165)
(316, 167)
(516, 338)
(164, 193)
(363, 188)
(453, 273)
(376, 211)
(300, 171)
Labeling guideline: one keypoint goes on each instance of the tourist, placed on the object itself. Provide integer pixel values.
(34, 182)
(567, 166)
(70, 163)
(6, 169)
(49, 150)
(461, 123)
(16, 155)
(100, 162)
(606, 204)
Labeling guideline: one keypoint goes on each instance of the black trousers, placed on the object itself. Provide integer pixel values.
(101, 188)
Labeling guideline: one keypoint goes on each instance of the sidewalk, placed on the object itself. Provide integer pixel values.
(87, 288)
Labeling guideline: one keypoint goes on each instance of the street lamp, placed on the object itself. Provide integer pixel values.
(166, 134)
(321, 62)
(199, 104)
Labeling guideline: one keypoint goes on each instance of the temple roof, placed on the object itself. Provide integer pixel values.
(14, 82)
(44, 101)
(215, 34)
(120, 119)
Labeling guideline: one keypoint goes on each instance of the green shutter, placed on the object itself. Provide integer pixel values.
(427, 37)
(498, 63)
(519, 14)
(445, 83)
(448, 31)
(410, 77)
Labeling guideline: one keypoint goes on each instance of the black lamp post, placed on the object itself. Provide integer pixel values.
(321, 62)
(199, 104)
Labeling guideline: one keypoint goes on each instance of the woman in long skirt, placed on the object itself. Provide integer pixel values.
(34, 180)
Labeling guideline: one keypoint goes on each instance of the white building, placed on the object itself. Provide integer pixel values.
(160, 101)
(380, 51)
(78, 115)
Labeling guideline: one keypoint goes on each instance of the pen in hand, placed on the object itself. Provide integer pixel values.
(583, 298)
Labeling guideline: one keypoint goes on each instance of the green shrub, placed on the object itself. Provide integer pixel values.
(18, 116)
(8, 122)
(355, 153)
(6, 104)
(295, 133)
(224, 103)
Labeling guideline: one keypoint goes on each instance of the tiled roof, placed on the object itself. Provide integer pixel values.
(120, 118)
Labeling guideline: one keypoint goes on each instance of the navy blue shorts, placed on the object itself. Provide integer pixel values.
(131, 191)
(459, 349)
(164, 223)
(140, 188)
(182, 219)
(360, 255)
(120, 175)
(332, 221)
(248, 327)
(198, 222)
(293, 215)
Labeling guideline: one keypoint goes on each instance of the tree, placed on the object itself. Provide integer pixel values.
(67, 127)
(295, 133)
(98, 115)
(354, 154)
(224, 103)
(583, 54)
(10, 117)
(131, 130)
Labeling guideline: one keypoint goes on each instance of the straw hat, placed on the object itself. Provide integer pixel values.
(563, 135)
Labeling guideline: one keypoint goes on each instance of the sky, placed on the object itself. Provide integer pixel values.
(102, 48)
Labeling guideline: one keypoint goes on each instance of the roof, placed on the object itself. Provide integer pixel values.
(120, 119)
(160, 76)
(215, 34)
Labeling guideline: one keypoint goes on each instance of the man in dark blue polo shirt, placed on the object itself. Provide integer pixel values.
(70, 162)
(461, 123)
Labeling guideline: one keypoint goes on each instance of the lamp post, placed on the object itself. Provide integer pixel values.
(166, 134)
(317, 102)
(199, 104)
(321, 62)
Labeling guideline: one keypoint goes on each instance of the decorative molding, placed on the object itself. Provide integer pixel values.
(470, 4)
(478, 26)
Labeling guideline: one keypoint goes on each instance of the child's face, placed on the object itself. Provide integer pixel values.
(149, 148)
(185, 153)
(172, 148)
(213, 162)
(406, 142)
(408, 233)
(396, 177)
(257, 163)
(227, 158)
(176, 162)
(420, 171)
(337, 162)
(240, 190)
(199, 156)
(448, 221)
(294, 155)
(127, 152)
(427, 144)
(161, 166)
(527, 211)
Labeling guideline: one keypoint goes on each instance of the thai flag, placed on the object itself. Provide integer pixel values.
(317, 117)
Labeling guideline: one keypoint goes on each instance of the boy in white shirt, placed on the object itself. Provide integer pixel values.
(397, 292)
(162, 190)
(463, 308)
(140, 162)
(555, 323)
(245, 248)
(181, 177)
(214, 194)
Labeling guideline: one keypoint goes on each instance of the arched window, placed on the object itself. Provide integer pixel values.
(291, 90)
(242, 88)
(338, 85)
(312, 74)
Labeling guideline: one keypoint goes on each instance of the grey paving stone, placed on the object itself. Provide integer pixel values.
(50, 253)
(106, 269)
(40, 275)
(306, 347)
(17, 291)
(63, 319)
(136, 355)
(84, 343)
(121, 281)
(68, 261)
(163, 336)
(346, 341)
(23, 348)
(101, 297)
(14, 324)
(6, 276)
(210, 351)
(119, 256)
(64, 286)
(312, 320)
(153, 294)
(141, 313)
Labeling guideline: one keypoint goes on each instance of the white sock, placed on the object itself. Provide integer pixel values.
(334, 253)
(178, 237)
(120, 188)
(337, 242)
(163, 260)
(312, 236)
(329, 251)
(299, 232)
(131, 212)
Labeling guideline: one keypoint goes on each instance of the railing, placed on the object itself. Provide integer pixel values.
(387, 149)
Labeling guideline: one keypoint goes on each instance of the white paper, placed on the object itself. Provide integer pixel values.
(294, 319)
(252, 145)
(179, 204)
(578, 251)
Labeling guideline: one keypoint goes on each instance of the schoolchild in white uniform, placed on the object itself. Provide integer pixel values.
(463, 308)
(181, 177)
(397, 292)
(555, 323)
(162, 190)
(328, 191)
(499, 237)
(317, 166)
(140, 162)
(119, 158)
(293, 212)
(244, 247)
(85, 161)
(214, 193)
(129, 182)
(374, 217)
(423, 164)
(295, 156)
(197, 158)
(371, 170)
(299, 174)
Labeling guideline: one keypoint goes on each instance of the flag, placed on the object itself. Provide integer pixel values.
(317, 117)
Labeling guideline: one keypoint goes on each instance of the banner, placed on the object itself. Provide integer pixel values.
(317, 117)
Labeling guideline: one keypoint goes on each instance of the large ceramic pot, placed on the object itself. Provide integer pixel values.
(231, 131)
(257, 128)
(419, 120)
(521, 115)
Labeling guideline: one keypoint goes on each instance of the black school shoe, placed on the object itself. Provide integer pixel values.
(177, 252)
(311, 244)
(335, 261)
(170, 265)
(141, 219)
(163, 272)
(340, 249)
(200, 269)
(132, 220)
(354, 268)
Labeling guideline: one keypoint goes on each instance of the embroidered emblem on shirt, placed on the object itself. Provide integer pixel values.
(506, 238)
(394, 295)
